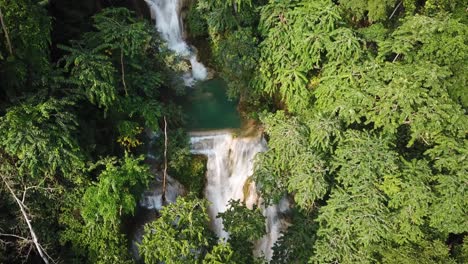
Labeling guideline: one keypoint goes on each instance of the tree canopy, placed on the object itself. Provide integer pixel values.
(362, 103)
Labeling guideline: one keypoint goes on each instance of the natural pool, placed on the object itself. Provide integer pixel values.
(208, 107)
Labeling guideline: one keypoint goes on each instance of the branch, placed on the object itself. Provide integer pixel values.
(47, 254)
(394, 10)
(28, 222)
(10, 49)
(15, 236)
(123, 71)
(165, 160)
(26, 189)
(27, 256)
(43, 3)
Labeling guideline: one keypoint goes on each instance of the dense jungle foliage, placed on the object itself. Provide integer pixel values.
(363, 104)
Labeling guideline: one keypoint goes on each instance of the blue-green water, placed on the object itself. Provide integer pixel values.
(208, 107)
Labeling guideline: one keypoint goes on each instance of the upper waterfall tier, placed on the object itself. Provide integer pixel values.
(169, 25)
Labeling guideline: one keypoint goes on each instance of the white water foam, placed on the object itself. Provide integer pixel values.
(170, 26)
(229, 166)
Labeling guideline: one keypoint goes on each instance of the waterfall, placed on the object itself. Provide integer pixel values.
(169, 25)
(229, 166)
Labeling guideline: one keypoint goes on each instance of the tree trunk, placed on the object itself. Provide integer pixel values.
(5, 30)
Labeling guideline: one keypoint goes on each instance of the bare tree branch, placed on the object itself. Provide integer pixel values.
(165, 160)
(123, 71)
(22, 207)
(27, 255)
(26, 189)
(394, 10)
(15, 236)
(43, 3)
(47, 254)
(5, 30)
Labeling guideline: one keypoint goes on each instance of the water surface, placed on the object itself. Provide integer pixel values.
(208, 107)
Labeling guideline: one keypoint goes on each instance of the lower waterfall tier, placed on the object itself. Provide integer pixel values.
(230, 165)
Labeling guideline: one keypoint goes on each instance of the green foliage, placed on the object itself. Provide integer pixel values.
(232, 29)
(409, 197)
(355, 217)
(196, 24)
(449, 207)
(111, 61)
(369, 139)
(180, 235)
(428, 253)
(188, 169)
(375, 131)
(28, 29)
(407, 96)
(119, 31)
(243, 223)
(40, 198)
(222, 15)
(291, 162)
(295, 245)
(93, 215)
(440, 40)
(434, 6)
(40, 134)
(221, 253)
(105, 201)
(373, 10)
(129, 132)
(245, 226)
(95, 73)
(299, 38)
(461, 251)
(236, 54)
(148, 109)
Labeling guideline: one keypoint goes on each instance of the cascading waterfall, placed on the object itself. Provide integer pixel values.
(229, 166)
(230, 159)
(169, 25)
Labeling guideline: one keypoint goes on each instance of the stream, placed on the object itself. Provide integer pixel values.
(213, 120)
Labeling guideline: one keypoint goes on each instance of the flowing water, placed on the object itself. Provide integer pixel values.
(169, 25)
(229, 168)
(230, 159)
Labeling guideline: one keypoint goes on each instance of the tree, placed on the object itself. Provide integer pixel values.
(245, 226)
(105, 62)
(291, 162)
(222, 253)
(8, 173)
(40, 134)
(243, 223)
(440, 40)
(299, 37)
(435, 252)
(372, 10)
(355, 217)
(27, 47)
(295, 244)
(180, 235)
(96, 233)
(236, 54)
